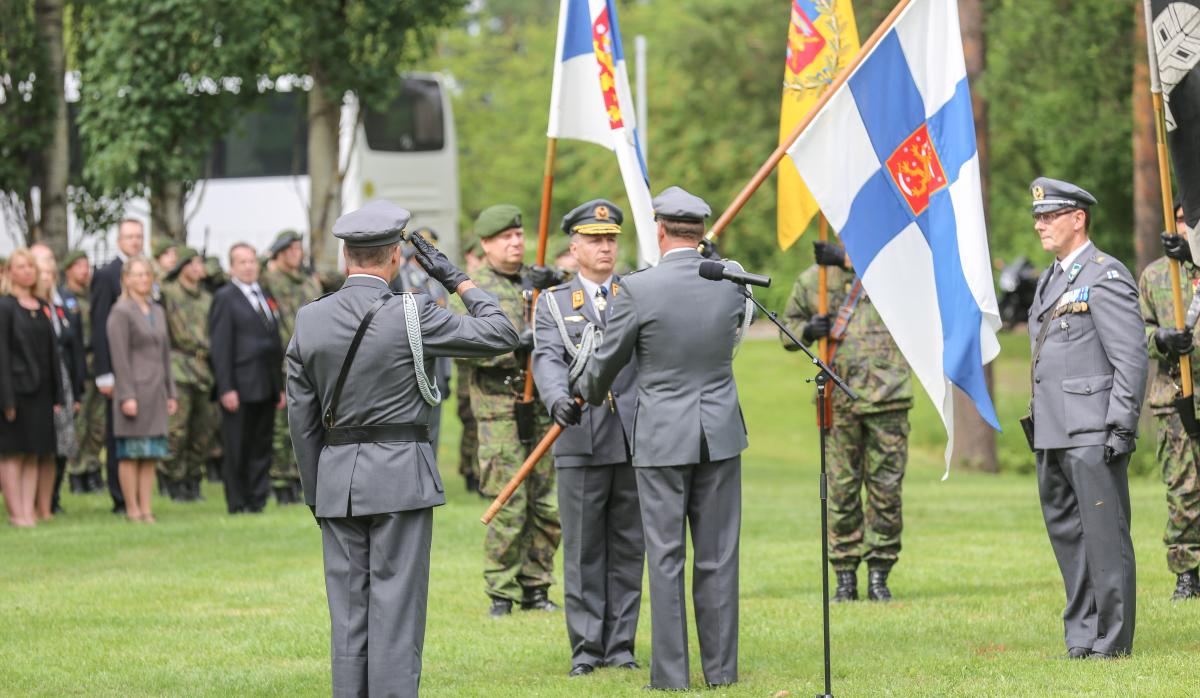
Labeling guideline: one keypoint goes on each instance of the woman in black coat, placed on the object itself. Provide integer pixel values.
(30, 393)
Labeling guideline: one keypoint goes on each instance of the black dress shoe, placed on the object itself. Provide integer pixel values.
(847, 587)
(500, 608)
(118, 509)
(877, 588)
(1187, 586)
(581, 670)
(78, 484)
(536, 599)
(1078, 653)
(628, 665)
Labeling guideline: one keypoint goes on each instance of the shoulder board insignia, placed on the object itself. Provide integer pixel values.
(616, 288)
(1112, 274)
(1099, 258)
(577, 299)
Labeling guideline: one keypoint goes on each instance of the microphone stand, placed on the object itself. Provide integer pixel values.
(824, 374)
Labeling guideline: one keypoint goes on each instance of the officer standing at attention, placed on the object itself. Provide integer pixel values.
(522, 538)
(869, 437)
(689, 436)
(1088, 378)
(291, 287)
(1178, 454)
(359, 393)
(597, 491)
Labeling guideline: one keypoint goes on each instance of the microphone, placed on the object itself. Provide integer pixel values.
(715, 271)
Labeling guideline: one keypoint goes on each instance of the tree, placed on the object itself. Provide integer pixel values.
(357, 46)
(161, 79)
(55, 156)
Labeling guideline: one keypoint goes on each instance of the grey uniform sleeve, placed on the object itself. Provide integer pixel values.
(549, 356)
(485, 331)
(304, 419)
(1114, 306)
(620, 339)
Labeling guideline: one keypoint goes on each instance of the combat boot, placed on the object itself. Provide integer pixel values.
(500, 607)
(194, 486)
(1187, 586)
(212, 470)
(281, 496)
(95, 482)
(877, 588)
(536, 599)
(78, 484)
(847, 587)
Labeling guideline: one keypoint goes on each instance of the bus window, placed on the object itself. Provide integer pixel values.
(270, 140)
(413, 122)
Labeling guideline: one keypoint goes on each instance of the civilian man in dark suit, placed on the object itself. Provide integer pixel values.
(244, 331)
(106, 289)
(688, 437)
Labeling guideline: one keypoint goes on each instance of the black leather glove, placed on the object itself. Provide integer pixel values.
(708, 249)
(437, 265)
(829, 254)
(1119, 443)
(543, 278)
(525, 339)
(1176, 247)
(817, 327)
(566, 412)
(1173, 342)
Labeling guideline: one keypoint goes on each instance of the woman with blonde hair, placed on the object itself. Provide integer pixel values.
(30, 393)
(143, 394)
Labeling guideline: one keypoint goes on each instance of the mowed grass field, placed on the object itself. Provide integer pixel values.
(204, 604)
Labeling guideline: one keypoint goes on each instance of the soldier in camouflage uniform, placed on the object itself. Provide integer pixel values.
(1178, 454)
(214, 278)
(521, 540)
(291, 288)
(84, 467)
(468, 444)
(868, 441)
(189, 430)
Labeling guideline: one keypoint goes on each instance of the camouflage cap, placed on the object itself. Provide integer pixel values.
(72, 257)
(185, 255)
(1054, 194)
(377, 224)
(677, 204)
(161, 245)
(283, 241)
(494, 220)
(596, 217)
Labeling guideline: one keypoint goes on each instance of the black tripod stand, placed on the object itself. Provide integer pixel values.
(824, 374)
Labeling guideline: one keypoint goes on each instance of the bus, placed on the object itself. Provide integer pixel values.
(256, 182)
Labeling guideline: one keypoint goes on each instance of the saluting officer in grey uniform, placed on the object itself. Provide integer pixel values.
(688, 436)
(603, 551)
(1089, 377)
(359, 398)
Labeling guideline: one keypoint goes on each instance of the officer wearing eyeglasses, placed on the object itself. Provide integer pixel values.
(1088, 379)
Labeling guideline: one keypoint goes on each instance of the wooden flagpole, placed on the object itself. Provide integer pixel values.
(543, 232)
(763, 172)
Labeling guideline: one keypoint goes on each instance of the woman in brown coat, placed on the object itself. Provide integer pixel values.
(144, 393)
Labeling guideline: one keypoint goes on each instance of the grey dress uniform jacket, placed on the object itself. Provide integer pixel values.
(1089, 379)
(373, 499)
(603, 549)
(688, 435)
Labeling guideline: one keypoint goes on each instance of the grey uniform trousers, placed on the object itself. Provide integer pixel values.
(1085, 503)
(707, 497)
(603, 554)
(377, 580)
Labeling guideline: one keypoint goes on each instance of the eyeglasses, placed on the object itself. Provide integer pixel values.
(1047, 218)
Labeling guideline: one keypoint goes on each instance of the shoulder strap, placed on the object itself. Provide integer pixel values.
(331, 411)
(1037, 344)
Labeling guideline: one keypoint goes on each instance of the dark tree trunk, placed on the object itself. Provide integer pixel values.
(1147, 192)
(52, 228)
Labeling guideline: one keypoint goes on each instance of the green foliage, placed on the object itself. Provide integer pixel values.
(26, 105)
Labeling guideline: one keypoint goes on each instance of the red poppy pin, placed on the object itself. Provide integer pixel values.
(271, 304)
(46, 310)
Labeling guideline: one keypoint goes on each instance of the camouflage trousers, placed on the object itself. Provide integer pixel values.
(284, 469)
(89, 433)
(468, 445)
(1179, 457)
(190, 434)
(520, 543)
(868, 451)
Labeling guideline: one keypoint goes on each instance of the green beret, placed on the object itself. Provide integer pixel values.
(72, 257)
(497, 219)
(161, 245)
(283, 241)
(186, 254)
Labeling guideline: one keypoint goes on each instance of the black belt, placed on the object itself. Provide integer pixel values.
(377, 433)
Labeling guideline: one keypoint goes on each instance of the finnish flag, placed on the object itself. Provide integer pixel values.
(891, 160)
(591, 101)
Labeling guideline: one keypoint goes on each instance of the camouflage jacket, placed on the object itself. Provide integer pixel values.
(1158, 310)
(290, 290)
(867, 358)
(81, 303)
(497, 382)
(187, 322)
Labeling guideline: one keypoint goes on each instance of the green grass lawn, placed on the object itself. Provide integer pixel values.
(206, 604)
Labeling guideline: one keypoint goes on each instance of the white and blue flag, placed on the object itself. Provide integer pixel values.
(891, 161)
(591, 101)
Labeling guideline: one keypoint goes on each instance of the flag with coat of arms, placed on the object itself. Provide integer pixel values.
(892, 162)
(591, 101)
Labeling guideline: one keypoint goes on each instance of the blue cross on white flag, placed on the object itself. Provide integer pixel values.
(591, 101)
(892, 163)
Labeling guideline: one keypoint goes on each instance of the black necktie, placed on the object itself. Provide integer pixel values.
(259, 304)
(604, 311)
